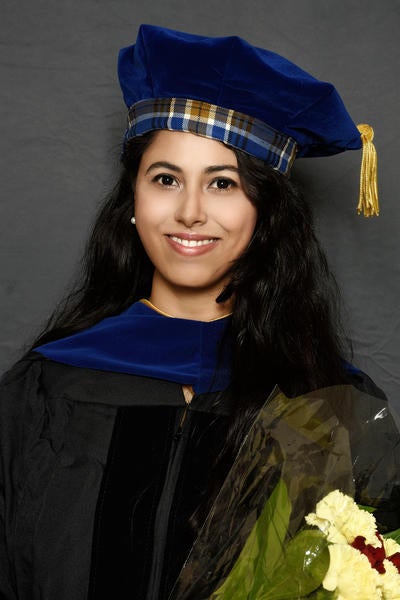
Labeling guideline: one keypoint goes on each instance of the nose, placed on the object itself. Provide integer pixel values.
(191, 208)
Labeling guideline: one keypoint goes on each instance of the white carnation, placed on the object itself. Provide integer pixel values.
(390, 581)
(350, 575)
(340, 519)
(391, 546)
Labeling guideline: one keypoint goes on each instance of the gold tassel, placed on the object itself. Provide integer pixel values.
(368, 202)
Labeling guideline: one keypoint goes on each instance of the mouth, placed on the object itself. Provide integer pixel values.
(190, 242)
(191, 245)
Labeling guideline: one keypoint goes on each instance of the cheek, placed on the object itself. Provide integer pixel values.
(244, 238)
(146, 219)
(243, 224)
(147, 230)
(149, 212)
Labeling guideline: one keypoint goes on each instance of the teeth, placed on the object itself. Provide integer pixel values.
(191, 243)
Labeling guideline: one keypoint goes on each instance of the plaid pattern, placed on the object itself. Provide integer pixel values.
(233, 128)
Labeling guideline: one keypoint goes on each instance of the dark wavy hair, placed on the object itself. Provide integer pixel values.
(285, 326)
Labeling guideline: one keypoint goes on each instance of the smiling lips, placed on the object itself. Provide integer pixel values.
(191, 244)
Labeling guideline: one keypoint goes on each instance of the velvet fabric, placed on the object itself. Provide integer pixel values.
(99, 480)
(231, 73)
(158, 474)
(141, 341)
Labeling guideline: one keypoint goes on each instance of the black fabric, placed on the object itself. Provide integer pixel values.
(76, 443)
(152, 487)
(103, 477)
(53, 453)
(115, 389)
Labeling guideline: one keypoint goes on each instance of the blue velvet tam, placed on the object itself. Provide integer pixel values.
(227, 90)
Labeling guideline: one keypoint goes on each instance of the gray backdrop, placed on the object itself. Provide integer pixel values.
(63, 117)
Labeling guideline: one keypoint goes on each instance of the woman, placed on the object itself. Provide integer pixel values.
(204, 288)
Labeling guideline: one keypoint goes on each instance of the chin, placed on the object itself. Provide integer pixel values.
(193, 281)
(199, 286)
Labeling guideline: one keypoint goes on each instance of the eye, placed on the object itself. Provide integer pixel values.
(165, 180)
(223, 183)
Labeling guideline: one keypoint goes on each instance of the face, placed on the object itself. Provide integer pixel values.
(192, 214)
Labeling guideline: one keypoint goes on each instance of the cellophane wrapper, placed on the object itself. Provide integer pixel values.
(334, 438)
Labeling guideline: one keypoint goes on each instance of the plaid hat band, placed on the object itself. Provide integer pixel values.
(231, 127)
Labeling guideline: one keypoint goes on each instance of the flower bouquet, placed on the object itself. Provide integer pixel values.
(269, 536)
(344, 559)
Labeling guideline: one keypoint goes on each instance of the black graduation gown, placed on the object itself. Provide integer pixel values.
(100, 475)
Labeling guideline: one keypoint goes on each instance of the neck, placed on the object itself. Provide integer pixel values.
(186, 304)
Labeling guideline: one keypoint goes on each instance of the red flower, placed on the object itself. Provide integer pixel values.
(374, 555)
(395, 559)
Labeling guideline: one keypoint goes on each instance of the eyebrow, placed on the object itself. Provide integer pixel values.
(172, 167)
(215, 168)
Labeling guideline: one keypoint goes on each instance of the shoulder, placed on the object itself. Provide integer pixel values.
(20, 399)
(363, 405)
(22, 369)
(363, 382)
(21, 381)
(362, 402)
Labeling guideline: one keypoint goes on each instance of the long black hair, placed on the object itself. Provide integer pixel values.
(286, 322)
(285, 326)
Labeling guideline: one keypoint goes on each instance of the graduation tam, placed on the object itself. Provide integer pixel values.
(252, 99)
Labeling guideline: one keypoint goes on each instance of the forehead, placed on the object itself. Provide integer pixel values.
(188, 149)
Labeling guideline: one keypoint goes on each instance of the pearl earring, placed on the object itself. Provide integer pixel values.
(133, 221)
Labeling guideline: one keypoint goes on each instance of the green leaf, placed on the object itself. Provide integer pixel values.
(322, 594)
(262, 552)
(369, 509)
(270, 568)
(305, 564)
